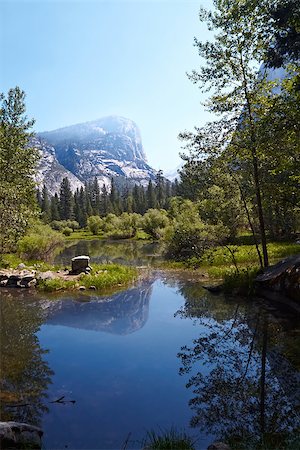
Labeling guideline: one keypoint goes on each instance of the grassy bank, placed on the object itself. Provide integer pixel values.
(235, 265)
(102, 276)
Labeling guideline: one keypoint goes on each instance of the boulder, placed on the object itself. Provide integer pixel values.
(20, 435)
(282, 279)
(218, 446)
(28, 281)
(80, 264)
(48, 275)
(13, 281)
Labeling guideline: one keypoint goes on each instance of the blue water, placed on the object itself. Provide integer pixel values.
(164, 353)
(123, 380)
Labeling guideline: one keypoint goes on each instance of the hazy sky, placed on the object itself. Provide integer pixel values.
(82, 60)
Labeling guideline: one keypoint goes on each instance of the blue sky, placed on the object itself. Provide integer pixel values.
(82, 60)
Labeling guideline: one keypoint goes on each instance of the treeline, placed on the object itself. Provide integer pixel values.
(91, 200)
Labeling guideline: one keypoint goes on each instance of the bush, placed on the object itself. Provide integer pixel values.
(40, 242)
(67, 231)
(124, 227)
(185, 239)
(154, 222)
(73, 224)
(94, 224)
(58, 225)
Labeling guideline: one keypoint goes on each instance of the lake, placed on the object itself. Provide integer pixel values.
(98, 372)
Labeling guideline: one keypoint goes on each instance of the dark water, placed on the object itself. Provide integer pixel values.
(163, 353)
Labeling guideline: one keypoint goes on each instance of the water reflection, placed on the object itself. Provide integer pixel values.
(101, 251)
(243, 375)
(25, 375)
(122, 313)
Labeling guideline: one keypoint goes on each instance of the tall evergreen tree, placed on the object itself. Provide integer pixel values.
(17, 166)
(66, 200)
(151, 196)
(46, 209)
(54, 207)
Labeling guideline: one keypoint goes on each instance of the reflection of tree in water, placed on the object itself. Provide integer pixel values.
(130, 252)
(24, 374)
(243, 381)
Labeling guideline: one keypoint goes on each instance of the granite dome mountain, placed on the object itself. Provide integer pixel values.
(103, 148)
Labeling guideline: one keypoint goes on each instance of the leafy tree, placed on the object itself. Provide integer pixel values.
(188, 236)
(94, 224)
(240, 96)
(284, 30)
(17, 167)
(154, 222)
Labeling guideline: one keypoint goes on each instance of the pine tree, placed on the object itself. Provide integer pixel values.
(151, 197)
(54, 207)
(17, 166)
(66, 202)
(46, 209)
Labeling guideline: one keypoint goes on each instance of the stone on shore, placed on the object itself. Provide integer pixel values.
(80, 264)
(20, 435)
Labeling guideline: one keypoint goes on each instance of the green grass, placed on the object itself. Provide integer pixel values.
(102, 277)
(218, 263)
(58, 284)
(168, 440)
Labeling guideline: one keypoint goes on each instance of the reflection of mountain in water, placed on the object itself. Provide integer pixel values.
(122, 313)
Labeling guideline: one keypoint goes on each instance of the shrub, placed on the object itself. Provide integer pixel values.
(125, 226)
(58, 225)
(40, 242)
(94, 224)
(185, 239)
(67, 231)
(154, 222)
(73, 224)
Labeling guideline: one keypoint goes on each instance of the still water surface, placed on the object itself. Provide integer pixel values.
(163, 353)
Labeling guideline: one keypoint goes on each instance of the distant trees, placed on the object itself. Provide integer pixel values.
(17, 167)
(91, 200)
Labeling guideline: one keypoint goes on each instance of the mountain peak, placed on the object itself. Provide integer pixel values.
(104, 148)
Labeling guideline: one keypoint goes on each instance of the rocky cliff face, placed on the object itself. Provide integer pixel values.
(105, 148)
(50, 172)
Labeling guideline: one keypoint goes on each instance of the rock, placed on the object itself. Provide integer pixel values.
(3, 276)
(93, 288)
(218, 446)
(46, 275)
(80, 264)
(20, 435)
(13, 281)
(27, 281)
(82, 288)
(21, 266)
(283, 278)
